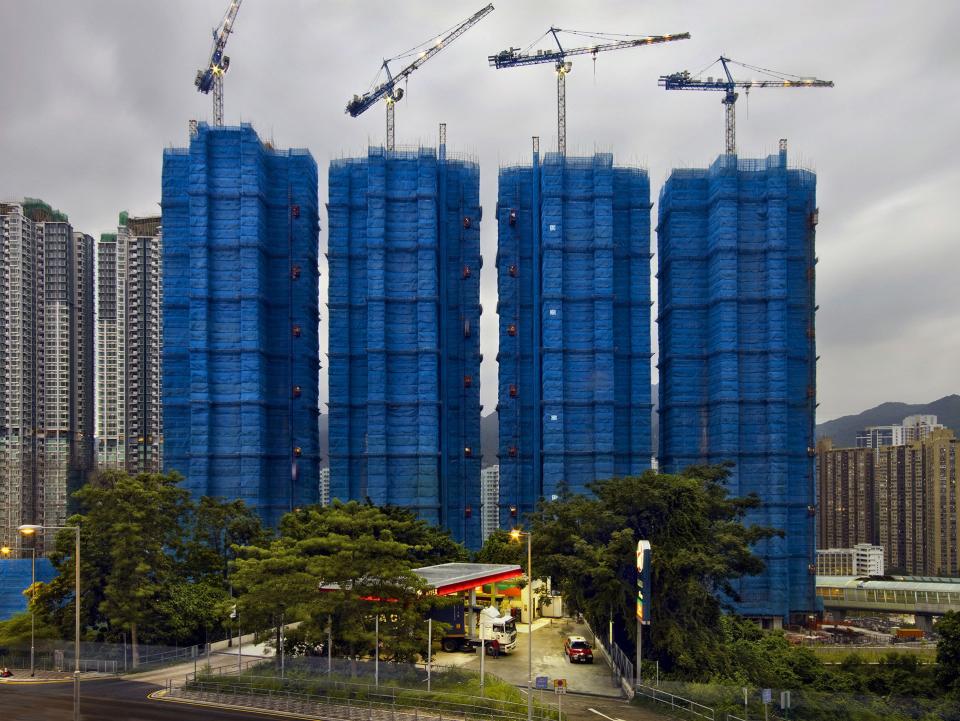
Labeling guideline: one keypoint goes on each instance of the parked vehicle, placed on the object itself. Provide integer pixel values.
(493, 627)
(578, 650)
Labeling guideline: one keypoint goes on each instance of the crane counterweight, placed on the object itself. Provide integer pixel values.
(390, 91)
(210, 78)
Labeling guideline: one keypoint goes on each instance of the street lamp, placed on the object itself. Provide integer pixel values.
(30, 530)
(515, 535)
(6, 551)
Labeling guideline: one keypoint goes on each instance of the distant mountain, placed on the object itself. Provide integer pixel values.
(843, 430)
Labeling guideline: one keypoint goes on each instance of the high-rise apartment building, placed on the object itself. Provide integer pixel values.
(877, 436)
(46, 364)
(900, 502)
(324, 486)
(490, 500)
(863, 559)
(912, 428)
(738, 354)
(919, 427)
(846, 493)
(129, 426)
(903, 498)
(573, 275)
(240, 320)
(404, 259)
(941, 470)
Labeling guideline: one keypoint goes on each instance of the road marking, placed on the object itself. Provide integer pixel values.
(604, 715)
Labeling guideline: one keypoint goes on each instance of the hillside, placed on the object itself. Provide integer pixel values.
(843, 430)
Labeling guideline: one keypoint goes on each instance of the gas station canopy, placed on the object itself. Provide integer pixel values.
(449, 578)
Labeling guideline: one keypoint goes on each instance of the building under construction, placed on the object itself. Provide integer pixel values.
(404, 304)
(240, 348)
(573, 264)
(738, 356)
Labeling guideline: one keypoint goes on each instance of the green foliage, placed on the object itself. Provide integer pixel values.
(700, 547)
(15, 632)
(218, 528)
(153, 564)
(363, 556)
(499, 548)
(948, 650)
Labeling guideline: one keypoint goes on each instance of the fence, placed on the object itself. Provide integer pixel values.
(621, 667)
(111, 658)
(677, 703)
(341, 707)
(338, 696)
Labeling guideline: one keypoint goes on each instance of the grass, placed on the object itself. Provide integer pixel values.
(454, 690)
(872, 654)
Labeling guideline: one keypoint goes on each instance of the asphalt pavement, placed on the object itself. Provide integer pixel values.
(548, 660)
(106, 700)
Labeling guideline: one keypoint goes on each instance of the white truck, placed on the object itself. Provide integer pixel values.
(492, 627)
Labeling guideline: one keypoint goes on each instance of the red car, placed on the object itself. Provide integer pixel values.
(578, 650)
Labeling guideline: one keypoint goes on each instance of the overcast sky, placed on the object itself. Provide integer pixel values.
(92, 91)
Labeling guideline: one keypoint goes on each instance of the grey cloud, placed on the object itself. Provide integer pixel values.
(92, 91)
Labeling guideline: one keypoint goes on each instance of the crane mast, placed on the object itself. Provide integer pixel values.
(514, 57)
(390, 91)
(728, 86)
(210, 78)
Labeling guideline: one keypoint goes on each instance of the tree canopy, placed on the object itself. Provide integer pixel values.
(349, 562)
(700, 547)
(153, 563)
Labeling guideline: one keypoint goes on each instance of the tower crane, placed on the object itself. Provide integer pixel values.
(685, 81)
(389, 89)
(211, 77)
(514, 57)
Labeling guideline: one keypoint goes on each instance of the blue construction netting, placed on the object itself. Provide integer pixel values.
(240, 315)
(573, 265)
(15, 576)
(404, 303)
(738, 354)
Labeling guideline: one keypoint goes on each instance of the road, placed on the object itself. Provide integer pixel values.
(106, 700)
(548, 660)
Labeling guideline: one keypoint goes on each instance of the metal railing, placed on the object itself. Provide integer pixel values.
(348, 705)
(678, 703)
(621, 667)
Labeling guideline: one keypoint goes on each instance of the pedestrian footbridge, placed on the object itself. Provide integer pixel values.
(921, 596)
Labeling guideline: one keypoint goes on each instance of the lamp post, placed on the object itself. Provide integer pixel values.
(29, 530)
(515, 535)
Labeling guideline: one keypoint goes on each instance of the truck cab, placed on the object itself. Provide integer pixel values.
(492, 627)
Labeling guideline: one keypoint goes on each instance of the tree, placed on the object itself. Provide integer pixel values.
(152, 563)
(500, 548)
(948, 650)
(700, 547)
(348, 561)
(217, 529)
(138, 521)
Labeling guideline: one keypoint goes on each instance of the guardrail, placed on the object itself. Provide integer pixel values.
(677, 702)
(621, 667)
